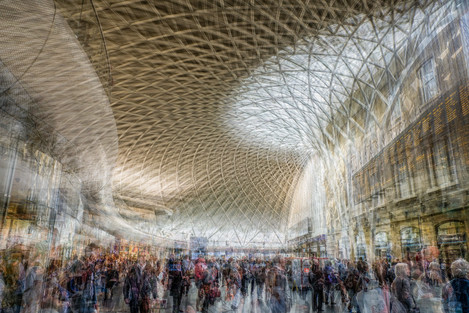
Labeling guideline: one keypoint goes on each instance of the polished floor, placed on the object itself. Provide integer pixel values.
(249, 304)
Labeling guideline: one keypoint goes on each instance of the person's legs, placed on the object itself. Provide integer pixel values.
(326, 293)
(332, 294)
(260, 289)
(236, 300)
(176, 302)
(320, 297)
(133, 306)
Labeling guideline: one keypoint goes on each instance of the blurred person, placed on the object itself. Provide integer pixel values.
(278, 287)
(14, 282)
(316, 280)
(233, 287)
(330, 283)
(146, 290)
(188, 269)
(429, 289)
(456, 292)
(353, 285)
(111, 280)
(175, 276)
(32, 288)
(131, 289)
(199, 272)
(2, 285)
(401, 286)
(260, 277)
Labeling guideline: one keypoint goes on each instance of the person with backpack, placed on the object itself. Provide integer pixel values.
(456, 293)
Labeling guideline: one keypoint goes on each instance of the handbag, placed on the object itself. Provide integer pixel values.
(415, 309)
(396, 305)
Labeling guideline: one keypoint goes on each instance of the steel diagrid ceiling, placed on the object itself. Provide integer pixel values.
(219, 105)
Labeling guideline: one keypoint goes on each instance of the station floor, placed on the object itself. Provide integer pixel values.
(249, 304)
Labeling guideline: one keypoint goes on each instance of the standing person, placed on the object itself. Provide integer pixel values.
(160, 278)
(429, 289)
(226, 271)
(2, 286)
(279, 300)
(208, 281)
(331, 281)
(146, 290)
(89, 298)
(316, 280)
(233, 287)
(246, 277)
(401, 286)
(33, 285)
(175, 283)
(111, 278)
(456, 292)
(132, 289)
(187, 268)
(260, 277)
(200, 268)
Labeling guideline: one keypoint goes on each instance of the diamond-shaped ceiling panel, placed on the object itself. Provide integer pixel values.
(219, 105)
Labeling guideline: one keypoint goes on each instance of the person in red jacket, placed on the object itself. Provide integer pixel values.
(200, 268)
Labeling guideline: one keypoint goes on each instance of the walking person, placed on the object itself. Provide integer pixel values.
(316, 279)
(401, 286)
(132, 289)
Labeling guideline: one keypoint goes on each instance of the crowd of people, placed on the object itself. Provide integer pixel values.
(109, 282)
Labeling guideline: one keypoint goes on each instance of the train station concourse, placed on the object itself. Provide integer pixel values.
(228, 156)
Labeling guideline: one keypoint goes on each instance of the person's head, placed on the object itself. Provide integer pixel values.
(91, 250)
(434, 266)
(402, 270)
(416, 273)
(460, 268)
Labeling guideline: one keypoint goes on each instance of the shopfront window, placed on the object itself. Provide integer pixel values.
(381, 244)
(410, 242)
(452, 241)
